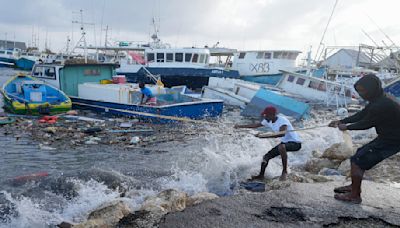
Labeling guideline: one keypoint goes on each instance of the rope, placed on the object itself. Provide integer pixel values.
(284, 132)
(183, 119)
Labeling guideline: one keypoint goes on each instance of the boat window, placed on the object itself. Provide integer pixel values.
(160, 57)
(260, 55)
(150, 57)
(170, 57)
(290, 78)
(313, 85)
(278, 55)
(188, 56)
(38, 71)
(206, 59)
(242, 55)
(178, 57)
(322, 86)
(2, 52)
(201, 58)
(348, 93)
(49, 72)
(195, 58)
(267, 55)
(300, 81)
(9, 53)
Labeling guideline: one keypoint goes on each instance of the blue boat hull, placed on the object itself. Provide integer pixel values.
(285, 105)
(393, 89)
(192, 110)
(192, 78)
(7, 60)
(25, 64)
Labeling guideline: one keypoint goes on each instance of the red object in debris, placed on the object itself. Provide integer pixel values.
(33, 176)
(48, 119)
(119, 79)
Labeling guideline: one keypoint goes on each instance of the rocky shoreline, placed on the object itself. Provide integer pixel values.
(282, 204)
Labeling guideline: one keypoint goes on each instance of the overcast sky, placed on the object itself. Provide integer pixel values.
(240, 24)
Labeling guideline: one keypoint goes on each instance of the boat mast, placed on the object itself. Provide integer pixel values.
(83, 33)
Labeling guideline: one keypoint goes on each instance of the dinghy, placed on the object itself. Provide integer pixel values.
(26, 95)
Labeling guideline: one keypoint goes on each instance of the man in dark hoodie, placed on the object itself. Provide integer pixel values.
(381, 112)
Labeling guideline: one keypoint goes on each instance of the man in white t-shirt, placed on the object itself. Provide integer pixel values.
(290, 141)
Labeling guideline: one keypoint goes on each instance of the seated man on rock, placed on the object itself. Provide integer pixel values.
(290, 140)
(381, 112)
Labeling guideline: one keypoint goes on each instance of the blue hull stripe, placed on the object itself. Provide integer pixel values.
(190, 110)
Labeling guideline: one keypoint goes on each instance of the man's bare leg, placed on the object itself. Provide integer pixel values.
(282, 151)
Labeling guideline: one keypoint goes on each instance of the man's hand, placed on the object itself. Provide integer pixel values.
(334, 123)
(342, 127)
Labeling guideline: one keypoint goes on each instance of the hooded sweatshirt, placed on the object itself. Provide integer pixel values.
(382, 112)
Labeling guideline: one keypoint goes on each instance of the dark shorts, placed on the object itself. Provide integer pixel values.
(290, 146)
(374, 152)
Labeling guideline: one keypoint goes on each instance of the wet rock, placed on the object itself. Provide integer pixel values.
(142, 219)
(340, 151)
(166, 201)
(111, 179)
(329, 172)
(277, 185)
(344, 167)
(299, 205)
(200, 197)
(318, 178)
(316, 153)
(316, 164)
(65, 225)
(297, 178)
(107, 215)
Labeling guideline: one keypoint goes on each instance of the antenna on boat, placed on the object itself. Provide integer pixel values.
(83, 33)
(323, 35)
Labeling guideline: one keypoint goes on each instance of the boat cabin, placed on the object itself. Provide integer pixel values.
(267, 62)
(67, 77)
(317, 89)
(170, 56)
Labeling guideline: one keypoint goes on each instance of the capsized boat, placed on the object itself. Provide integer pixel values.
(23, 94)
(393, 88)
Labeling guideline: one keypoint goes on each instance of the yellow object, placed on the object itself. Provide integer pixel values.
(105, 81)
(159, 83)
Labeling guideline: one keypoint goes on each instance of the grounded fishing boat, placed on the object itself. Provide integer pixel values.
(26, 95)
(88, 86)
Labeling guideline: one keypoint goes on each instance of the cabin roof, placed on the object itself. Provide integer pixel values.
(292, 51)
(9, 44)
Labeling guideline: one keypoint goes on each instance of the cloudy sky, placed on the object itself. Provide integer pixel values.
(240, 24)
